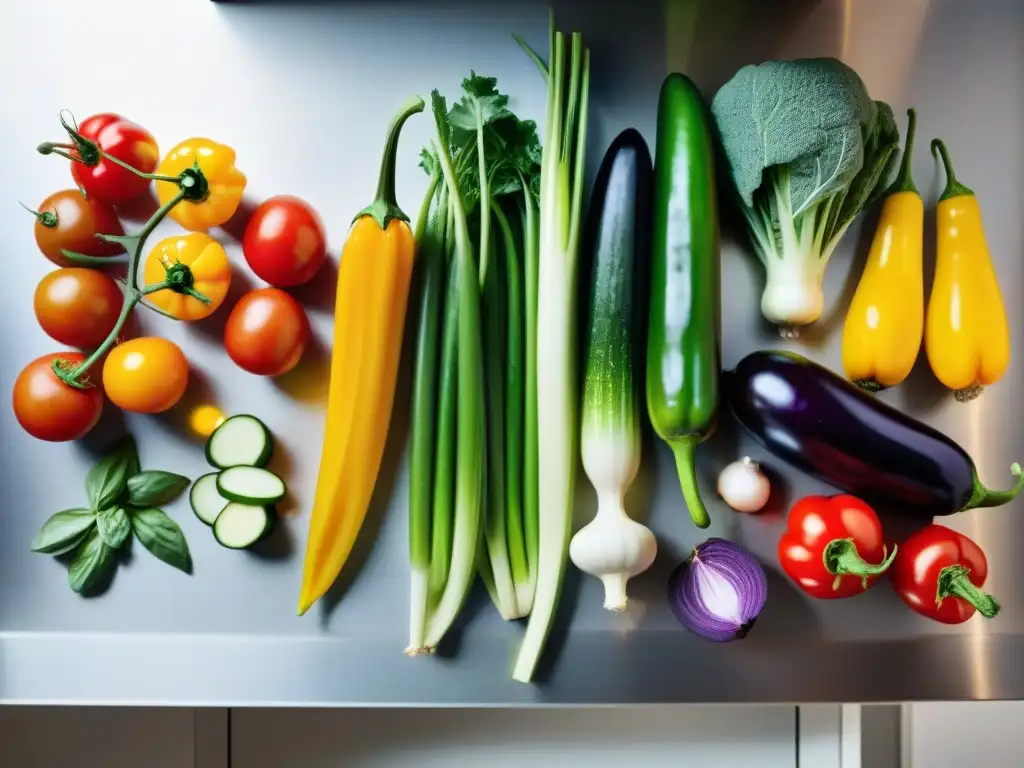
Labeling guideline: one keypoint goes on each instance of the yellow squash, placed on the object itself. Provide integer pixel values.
(967, 336)
(369, 318)
(883, 330)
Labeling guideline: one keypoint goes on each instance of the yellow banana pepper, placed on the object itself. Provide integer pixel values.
(224, 183)
(885, 323)
(967, 335)
(369, 320)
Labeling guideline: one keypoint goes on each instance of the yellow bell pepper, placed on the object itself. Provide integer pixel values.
(967, 335)
(369, 319)
(197, 273)
(222, 194)
(885, 323)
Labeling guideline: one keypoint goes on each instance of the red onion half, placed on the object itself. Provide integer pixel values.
(719, 591)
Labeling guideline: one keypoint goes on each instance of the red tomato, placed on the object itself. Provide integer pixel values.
(129, 143)
(47, 408)
(266, 332)
(67, 221)
(78, 306)
(284, 241)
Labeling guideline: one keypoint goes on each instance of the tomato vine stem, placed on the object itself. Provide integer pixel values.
(192, 186)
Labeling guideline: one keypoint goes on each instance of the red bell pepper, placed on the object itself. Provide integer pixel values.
(121, 139)
(939, 573)
(831, 545)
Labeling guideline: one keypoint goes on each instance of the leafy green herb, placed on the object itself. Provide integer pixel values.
(155, 486)
(63, 531)
(162, 536)
(93, 560)
(113, 526)
(122, 500)
(108, 479)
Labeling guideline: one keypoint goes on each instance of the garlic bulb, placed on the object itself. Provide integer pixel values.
(743, 486)
(613, 548)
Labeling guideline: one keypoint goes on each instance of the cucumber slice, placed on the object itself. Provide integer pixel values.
(205, 499)
(239, 526)
(240, 441)
(250, 485)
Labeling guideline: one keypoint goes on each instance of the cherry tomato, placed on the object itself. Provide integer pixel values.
(266, 332)
(49, 409)
(129, 143)
(67, 220)
(77, 306)
(284, 241)
(146, 375)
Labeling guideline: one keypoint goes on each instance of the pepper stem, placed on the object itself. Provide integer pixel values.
(47, 218)
(842, 559)
(384, 207)
(983, 497)
(869, 385)
(683, 451)
(953, 187)
(953, 582)
(903, 181)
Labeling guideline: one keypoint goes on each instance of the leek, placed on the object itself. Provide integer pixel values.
(561, 198)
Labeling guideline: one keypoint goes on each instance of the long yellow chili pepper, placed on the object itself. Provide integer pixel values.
(883, 329)
(967, 336)
(369, 319)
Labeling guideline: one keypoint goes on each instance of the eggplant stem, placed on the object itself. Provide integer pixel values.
(984, 497)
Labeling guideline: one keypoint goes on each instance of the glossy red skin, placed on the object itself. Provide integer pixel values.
(266, 332)
(79, 220)
(123, 139)
(284, 241)
(47, 408)
(77, 306)
(813, 523)
(920, 560)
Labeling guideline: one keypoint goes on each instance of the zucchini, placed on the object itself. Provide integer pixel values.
(205, 499)
(240, 441)
(684, 326)
(250, 485)
(239, 526)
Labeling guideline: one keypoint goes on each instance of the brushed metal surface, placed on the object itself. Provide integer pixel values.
(303, 92)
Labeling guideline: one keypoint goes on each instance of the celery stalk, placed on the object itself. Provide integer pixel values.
(557, 380)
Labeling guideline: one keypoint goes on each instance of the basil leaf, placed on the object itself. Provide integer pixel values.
(113, 526)
(161, 536)
(93, 560)
(108, 479)
(152, 487)
(63, 531)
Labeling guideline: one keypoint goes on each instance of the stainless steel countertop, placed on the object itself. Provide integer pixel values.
(303, 94)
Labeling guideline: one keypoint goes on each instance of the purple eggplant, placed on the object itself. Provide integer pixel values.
(829, 428)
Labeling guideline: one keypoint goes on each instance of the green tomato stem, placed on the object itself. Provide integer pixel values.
(47, 218)
(132, 296)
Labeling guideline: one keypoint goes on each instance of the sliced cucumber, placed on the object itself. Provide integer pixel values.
(250, 485)
(241, 441)
(239, 526)
(205, 499)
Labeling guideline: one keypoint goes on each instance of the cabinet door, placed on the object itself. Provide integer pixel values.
(670, 736)
(100, 737)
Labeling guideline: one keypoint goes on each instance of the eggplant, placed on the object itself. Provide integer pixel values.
(830, 429)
